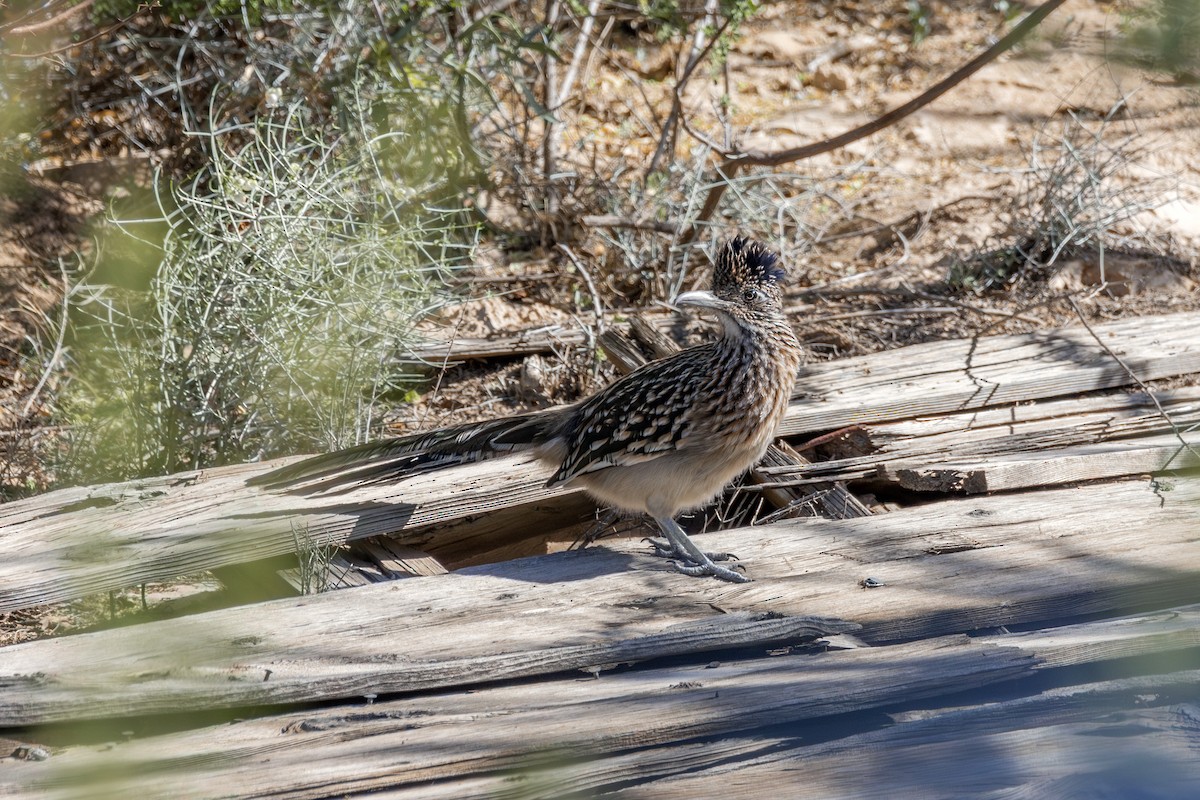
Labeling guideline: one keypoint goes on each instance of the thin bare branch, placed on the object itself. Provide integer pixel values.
(15, 27)
(918, 295)
(666, 141)
(597, 304)
(585, 33)
(1183, 443)
(727, 170)
(612, 221)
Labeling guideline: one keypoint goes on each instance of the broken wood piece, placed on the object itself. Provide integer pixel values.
(833, 499)
(542, 339)
(651, 337)
(621, 350)
(400, 560)
(971, 438)
(476, 741)
(1016, 559)
(1088, 462)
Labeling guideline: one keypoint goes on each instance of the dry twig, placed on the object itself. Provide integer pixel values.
(1184, 444)
(726, 171)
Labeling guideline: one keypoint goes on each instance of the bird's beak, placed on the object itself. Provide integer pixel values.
(701, 299)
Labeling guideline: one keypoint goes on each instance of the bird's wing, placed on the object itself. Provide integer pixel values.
(643, 416)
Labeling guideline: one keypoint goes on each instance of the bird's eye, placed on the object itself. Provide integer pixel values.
(750, 295)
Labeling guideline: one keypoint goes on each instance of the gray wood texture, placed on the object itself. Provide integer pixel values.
(1087, 462)
(950, 567)
(573, 733)
(75, 542)
(1129, 738)
(960, 375)
(1107, 429)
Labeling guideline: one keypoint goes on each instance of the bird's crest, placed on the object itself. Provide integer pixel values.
(742, 260)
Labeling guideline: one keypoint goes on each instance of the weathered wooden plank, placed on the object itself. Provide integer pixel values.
(474, 348)
(542, 339)
(948, 567)
(1142, 635)
(1065, 465)
(193, 664)
(1135, 737)
(960, 375)
(1112, 409)
(1104, 716)
(76, 542)
(974, 436)
(476, 743)
(125, 534)
(340, 751)
(1076, 737)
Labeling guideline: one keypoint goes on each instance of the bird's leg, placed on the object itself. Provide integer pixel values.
(698, 563)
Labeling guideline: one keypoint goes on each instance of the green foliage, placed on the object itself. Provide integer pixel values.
(1165, 36)
(671, 17)
(268, 311)
(666, 15)
(1008, 9)
(737, 12)
(918, 18)
(292, 272)
(108, 11)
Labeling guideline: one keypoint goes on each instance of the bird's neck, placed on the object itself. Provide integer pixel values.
(765, 337)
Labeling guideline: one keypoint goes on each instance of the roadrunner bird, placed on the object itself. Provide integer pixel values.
(661, 440)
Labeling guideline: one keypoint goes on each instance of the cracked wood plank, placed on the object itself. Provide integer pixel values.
(1133, 737)
(474, 744)
(1089, 462)
(74, 542)
(1051, 428)
(950, 567)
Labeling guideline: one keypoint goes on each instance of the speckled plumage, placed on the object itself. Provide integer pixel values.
(662, 439)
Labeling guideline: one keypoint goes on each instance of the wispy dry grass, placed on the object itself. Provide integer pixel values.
(293, 270)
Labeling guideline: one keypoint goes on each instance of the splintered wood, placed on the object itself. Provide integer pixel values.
(1021, 446)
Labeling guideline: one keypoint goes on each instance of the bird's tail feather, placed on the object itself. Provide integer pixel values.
(381, 461)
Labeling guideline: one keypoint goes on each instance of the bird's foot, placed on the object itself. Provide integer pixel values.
(709, 568)
(668, 550)
(688, 564)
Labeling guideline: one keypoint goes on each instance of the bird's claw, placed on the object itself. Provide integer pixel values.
(685, 563)
(722, 573)
(667, 550)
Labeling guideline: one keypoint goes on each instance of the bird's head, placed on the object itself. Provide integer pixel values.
(746, 285)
